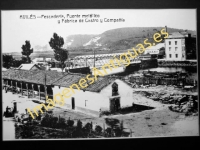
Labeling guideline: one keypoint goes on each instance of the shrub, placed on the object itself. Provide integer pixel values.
(70, 123)
(79, 124)
(88, 127)
(105, 113)
(62, 123)
(98, 129)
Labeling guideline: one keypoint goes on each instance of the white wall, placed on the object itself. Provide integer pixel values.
(95, 100)
(173, 52)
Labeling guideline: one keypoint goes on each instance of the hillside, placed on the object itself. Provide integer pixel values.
(77, 40)
(111, 41)
(121, 38)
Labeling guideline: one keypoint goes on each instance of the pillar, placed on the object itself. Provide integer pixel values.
(16, 87)
(11, 86)
(39, 91)
(27, 88)
(45, 92)
(33, 89)
(21, 88)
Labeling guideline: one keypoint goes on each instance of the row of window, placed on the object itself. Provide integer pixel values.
(176, 48)
(170, 42)
(170, 55)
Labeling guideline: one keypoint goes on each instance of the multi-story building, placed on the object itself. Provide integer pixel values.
(175, 47)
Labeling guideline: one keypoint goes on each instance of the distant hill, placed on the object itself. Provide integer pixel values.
(121, 38)
(77, 40)
(42, 48)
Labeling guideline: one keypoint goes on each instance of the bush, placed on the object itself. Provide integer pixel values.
(105, 113)
(98, 129)
(88, 127)
(79, 124)
(70, 123)
(62, 123)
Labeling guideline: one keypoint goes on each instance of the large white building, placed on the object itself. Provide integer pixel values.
(175, 47)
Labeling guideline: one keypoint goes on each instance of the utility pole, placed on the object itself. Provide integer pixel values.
(45, 87)
(94, 56)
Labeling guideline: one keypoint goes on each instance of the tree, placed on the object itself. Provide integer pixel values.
(26, 50)
(60, 53)
(8, 61)
(24, 59)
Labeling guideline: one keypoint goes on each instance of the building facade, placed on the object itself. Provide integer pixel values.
(175, 47)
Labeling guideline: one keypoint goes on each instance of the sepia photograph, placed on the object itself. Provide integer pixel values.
(72, 74)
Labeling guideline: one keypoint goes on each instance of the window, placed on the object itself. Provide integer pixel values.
(170, 48)
(183, 41)
(175, 42)
(176, 48)
(170, 55)
(176, 55)
(169, 42)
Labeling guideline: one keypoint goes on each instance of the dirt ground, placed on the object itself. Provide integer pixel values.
(149, 123)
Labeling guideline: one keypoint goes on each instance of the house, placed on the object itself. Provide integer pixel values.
(95, 97)
(42, 60)
(154, 50)
(29, 67)
(178, 45)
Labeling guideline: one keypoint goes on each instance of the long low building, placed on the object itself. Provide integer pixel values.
(95, 97)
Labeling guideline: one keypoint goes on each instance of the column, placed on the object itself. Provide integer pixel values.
(45, 92)
(21, 88)
(16, 87)
(11, 87)
(39, 91)
(27, 88)
(33, 90)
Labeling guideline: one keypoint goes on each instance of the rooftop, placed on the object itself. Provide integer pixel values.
(27, 66)
(62, 79)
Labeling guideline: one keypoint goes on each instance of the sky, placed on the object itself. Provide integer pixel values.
(15, 30)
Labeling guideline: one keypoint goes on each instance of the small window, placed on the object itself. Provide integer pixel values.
(176, 48)
(169, 42)
(170, 48)
(170, 55)
(175, 42)
(176, 55)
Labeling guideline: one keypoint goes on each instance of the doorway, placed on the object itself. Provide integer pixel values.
(115, 104)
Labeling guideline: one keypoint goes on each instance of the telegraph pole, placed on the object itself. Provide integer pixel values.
(45, 87)
(94, 56)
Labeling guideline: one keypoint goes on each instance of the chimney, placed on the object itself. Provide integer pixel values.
(166, 28)
(189, 35)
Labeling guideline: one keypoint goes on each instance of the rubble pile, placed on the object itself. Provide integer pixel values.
(187, 105)
(181, 103)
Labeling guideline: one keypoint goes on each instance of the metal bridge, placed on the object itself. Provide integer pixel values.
(99, 60)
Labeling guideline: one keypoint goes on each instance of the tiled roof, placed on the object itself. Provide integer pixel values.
(62, 79)
(32, 76)
(27, 66)
(100, 83)
(176, 35)
(156, 47)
